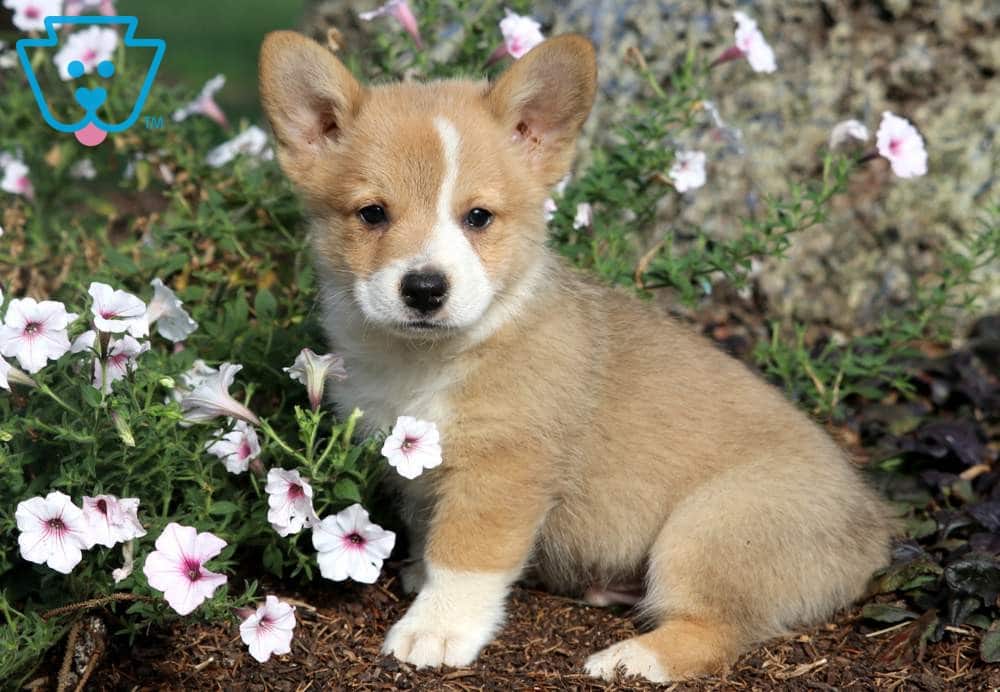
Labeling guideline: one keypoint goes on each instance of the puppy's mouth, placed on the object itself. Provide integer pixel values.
(425, 327)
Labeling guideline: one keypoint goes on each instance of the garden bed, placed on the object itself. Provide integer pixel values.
(542, 647)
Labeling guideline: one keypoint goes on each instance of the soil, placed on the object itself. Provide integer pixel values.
(543, 647)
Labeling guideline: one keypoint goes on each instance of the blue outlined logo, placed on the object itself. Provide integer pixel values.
(91, 130)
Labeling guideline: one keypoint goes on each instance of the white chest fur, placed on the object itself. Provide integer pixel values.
(386, 386)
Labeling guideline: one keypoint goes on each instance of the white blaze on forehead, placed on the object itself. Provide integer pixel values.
(450, 141)
(448, 248)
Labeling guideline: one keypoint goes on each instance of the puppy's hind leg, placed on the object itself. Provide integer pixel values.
(755, 551)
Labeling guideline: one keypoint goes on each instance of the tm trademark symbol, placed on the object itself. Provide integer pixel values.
(153, 122)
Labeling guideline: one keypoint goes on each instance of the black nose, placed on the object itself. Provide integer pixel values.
(424, 291)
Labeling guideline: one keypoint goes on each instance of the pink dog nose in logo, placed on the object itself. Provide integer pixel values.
(91, 135)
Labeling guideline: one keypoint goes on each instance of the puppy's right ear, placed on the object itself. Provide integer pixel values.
(309, 97)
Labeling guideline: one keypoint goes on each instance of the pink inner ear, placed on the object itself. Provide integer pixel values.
(525, 133)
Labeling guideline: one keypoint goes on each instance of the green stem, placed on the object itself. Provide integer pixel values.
(44, 388)
(276, 439)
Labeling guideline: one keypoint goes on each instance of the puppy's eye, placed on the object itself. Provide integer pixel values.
(478, 218)
(373, 215)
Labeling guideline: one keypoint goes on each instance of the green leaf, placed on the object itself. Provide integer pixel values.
(91, 396)
(908, 575)
(223, 508)
(346, 489)
(989, 647)
(273, 560)
(265, 305)
(885, 612)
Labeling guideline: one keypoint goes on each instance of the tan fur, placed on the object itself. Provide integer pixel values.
(587, 438)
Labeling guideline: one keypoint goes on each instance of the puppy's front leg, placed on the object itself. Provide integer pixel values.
(480, 535)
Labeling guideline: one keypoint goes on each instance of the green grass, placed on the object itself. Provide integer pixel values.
(206, 38)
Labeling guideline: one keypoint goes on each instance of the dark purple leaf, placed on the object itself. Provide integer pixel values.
(985, 543)
(960, 438)
(987, 514)
(975, 574)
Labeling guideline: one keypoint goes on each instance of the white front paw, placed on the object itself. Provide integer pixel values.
(427, 641)
(453, 617)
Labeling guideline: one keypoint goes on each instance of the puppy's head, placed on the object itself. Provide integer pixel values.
(427, 198)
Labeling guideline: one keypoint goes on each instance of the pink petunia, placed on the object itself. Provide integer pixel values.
(520, 34)
(400, 10)
(204, 103)
(900, 142)
(177, 566)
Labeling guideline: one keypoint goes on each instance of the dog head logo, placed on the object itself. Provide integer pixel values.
(90, 130)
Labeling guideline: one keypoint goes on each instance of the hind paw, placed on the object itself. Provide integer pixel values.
(631, 658)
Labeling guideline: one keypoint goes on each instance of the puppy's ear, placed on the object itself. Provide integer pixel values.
(309, 97)
(543, 100)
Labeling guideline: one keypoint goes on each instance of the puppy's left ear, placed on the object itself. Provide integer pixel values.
(543, 100)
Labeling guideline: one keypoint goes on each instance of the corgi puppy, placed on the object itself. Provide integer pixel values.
(589, 441)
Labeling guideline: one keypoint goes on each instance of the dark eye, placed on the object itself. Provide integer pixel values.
(478, 218)
(373, 214)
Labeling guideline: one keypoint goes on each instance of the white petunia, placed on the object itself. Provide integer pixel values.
(688, 170)
(90, 46)
(117, 311)
(237, 448)
(29, 15)
(584, 215)
(111, 520)
(351, 547)
(313, 371)
(210, 399)
(35, 332)
(751, 43)
(122, 356)
(847, 130)
(53, 531)
(83, 170)
(166, 311)
(413, 446)
(289, 497)
(251, 142)
(269, 630)
(15, 179)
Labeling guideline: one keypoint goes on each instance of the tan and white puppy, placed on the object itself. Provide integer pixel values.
(587, 438)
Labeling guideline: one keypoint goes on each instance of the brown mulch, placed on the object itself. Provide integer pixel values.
(542, 647)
